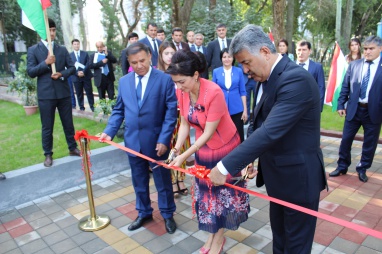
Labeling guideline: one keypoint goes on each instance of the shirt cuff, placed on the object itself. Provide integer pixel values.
(221, 168)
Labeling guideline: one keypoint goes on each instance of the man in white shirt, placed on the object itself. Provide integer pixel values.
(216, 46)
(177, 39)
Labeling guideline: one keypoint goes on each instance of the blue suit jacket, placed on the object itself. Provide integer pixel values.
(154, 122)
(84, 59)
(154, 55)
(286, 138)
(205, 53)
(318, 73)
(234, 93)
(351, 88)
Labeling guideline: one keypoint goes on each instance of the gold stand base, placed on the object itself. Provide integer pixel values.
(89, 224)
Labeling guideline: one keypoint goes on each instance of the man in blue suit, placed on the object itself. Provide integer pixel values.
(303, 50)
(147, 102)
(152, 42)
(286, 139)
(198, 39)
(362, 91)
(82, 78)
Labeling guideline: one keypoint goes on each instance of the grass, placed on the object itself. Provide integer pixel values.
(20, 137)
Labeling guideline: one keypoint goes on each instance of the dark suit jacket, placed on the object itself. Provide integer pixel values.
(48, 88)
(318, 73)
(84, 59)
(287, 137)
(185, 45)
(154, 55)
(154, 122)
(124, 63)
(205, 73)
(97, 68)
(213, 53)
(351, 88)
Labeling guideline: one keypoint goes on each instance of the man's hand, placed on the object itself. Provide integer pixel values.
(56, 75)
(342, 112)
(103, 137)
(80, 74)
(161, 149)
(105, 50)
(105, 60)
(216, 177)
(50, 59)
(252, 171)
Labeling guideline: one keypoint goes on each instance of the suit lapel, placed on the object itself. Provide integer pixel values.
(132, 89)
(377, 74)
(43, 48)
(150, 85)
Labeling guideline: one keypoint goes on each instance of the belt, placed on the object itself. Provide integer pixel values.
(362, 105)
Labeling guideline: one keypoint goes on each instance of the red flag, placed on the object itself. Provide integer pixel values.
(45, 4)
(271, 36)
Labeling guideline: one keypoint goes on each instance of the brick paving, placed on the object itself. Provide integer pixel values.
(50, 224)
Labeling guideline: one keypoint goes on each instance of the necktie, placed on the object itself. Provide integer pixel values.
(139, 91)
(365, 82)
(302, 64)
(177, 46)
(199, 49)
(78, 56)
(105, 69)
(223, 45)
(155, 46)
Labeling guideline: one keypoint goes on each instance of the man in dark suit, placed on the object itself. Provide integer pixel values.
(83, 76)
(147, 102)
(216, 46)
(286, 139)
(161, 35)
(191, 40)
(360, 101)
(132, 37)
(102, 64)
(303, 50)
(177, 37)
(52, 91)
(152, 42)
(199, 38)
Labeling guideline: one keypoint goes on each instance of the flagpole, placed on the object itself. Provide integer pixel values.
(49, 39)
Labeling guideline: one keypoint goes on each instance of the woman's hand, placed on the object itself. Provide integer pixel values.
(178, 161)
(244, 116)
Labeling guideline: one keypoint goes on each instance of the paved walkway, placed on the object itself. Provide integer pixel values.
(50, 224)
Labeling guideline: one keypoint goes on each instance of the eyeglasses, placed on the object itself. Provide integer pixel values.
(199, 108)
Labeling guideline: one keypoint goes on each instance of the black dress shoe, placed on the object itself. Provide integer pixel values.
(75, 152)
(139, 221)
(363, 177)
(48, 160)
(2, 176)
(338, 172)
(170, 225)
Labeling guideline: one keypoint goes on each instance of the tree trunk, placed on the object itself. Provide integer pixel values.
(84, 39)
(181, 14)
(137, 17)
(338, 22)
(346, 28)
(66, 23)
(278, 30)
(289, 24)
(362, 24)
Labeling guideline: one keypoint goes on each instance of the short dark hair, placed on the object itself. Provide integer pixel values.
(285, 42)
(136, 48)
(132, 35)
(159, 31)
(151, 24)
(226, 50)
(186, 63)
(75, 40)
(303, 43)
(220, 25)
(51, 23)
(176, 29)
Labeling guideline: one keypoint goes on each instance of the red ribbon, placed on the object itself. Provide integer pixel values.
(203, 175)
(81, 134)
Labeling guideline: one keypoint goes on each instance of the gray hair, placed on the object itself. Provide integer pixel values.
(199, 34)
(373, 39)
(251, 38)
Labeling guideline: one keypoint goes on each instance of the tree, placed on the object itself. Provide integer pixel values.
(278, 30)
(181, 13)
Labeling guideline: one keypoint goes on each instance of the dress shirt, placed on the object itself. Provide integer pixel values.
(46, 44)
(199, 48)
(306, 66)
(152, 42)
(144, 81)
(373, 70)
(220, 165)
(221, 43)
(178, 45)
(228, 77)
(77, 55)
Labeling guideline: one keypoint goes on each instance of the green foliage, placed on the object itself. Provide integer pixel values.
(24, 85)
(104, 106)
(110, 22)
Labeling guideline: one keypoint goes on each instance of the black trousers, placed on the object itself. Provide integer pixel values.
(80, 86)
(47, 114)
(106, 85)
(236, 119)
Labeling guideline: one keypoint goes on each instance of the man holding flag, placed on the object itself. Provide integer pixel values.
(362, 91)
(53, 91)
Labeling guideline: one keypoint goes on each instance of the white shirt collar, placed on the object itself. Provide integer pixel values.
(46, 43)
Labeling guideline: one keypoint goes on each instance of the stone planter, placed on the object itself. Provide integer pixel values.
(30, 110)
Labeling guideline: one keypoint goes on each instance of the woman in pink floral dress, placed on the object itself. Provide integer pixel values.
(202, 106)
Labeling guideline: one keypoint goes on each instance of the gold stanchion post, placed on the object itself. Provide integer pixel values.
(91, 222)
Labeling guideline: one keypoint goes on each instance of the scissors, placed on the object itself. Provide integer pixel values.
(170, 158)
(243, 177)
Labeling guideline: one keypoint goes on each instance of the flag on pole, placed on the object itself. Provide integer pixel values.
(271, 36)
(336, 76)
(33, 16)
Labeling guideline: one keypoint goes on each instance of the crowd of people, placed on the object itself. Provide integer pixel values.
(165, 91)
